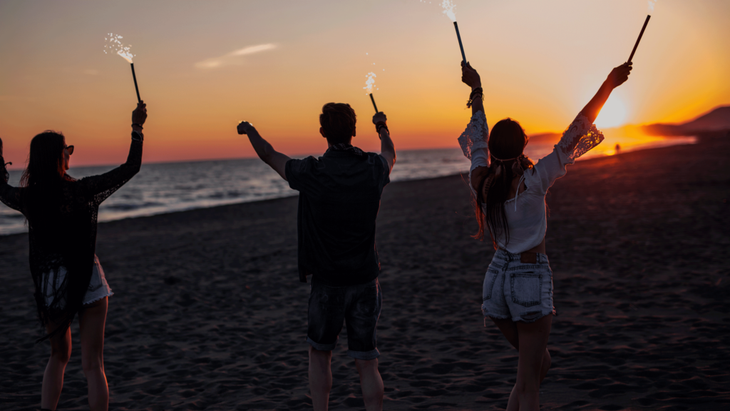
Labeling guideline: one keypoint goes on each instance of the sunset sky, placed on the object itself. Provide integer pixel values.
(204, 65)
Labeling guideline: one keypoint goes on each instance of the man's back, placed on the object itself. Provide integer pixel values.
(338, 205)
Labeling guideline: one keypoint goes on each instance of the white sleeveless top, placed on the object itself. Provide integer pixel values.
(525, 212)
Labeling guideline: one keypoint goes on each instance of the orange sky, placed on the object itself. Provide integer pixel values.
(540, 62)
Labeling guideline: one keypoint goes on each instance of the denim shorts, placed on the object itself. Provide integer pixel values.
(516, 290)
(98, 287)
(358, 306)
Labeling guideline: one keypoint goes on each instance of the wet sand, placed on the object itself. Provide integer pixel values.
(209, 313)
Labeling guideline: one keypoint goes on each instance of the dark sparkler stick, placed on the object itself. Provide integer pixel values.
(461, 46)
(639, 39)
(373, 100)
(134, 76)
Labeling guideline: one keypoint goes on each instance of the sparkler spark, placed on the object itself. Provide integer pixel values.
(370, 83)
(651, 5)
(114, 45)
(448, 6)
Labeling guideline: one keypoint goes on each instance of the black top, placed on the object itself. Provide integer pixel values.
(339, 198)
(62, 219)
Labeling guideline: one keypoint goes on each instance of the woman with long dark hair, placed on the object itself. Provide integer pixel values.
(509, 202)
(62, 215)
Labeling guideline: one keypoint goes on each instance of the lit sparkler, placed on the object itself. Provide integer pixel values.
(448, 6)
(369, 84)
(116, 46)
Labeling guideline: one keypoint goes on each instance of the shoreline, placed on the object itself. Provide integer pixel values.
(294, 194)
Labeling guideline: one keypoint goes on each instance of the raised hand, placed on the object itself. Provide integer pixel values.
(379, 117)
(139, 115)
(619, 75)
(245, 127)
(469, 76)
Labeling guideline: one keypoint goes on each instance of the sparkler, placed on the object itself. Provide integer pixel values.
(449, 6)
(369, 84)
(123, 51)
(639, 39)
(648, 16)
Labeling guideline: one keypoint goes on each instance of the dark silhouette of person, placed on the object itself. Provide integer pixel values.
(339, 198)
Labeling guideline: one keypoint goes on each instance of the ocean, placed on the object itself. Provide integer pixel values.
(168, 187)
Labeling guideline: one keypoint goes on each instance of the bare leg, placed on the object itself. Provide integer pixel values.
(371, 384)
(53, 376)
(320, 378)
(533, 343)
(509, 329)
(92, 320)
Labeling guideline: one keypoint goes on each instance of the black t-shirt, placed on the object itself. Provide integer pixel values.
(339, 198)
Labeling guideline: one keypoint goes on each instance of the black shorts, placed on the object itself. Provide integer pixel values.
(357, 305)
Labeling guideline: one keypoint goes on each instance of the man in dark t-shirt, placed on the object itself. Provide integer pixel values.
(339, 198)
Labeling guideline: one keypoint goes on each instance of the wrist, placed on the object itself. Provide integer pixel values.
(137, 135)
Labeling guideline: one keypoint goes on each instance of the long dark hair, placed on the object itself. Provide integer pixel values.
(506, 142)
(45, 161)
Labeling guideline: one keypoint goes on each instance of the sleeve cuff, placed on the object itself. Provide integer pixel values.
(137, 136)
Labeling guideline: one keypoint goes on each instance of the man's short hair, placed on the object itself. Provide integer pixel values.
(338, 122)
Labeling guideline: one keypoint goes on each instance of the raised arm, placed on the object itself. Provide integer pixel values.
(474, 140)
(103, 185)
(617, 77)
(8, 194)
(264, 150)
(387, 149)
(471, 78)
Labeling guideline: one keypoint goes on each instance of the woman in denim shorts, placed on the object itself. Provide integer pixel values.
(509, 193)
(62, 219)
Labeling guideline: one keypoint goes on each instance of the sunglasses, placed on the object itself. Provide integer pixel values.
(70, 149)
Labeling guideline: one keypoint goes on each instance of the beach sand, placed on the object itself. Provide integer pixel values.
(209, 312)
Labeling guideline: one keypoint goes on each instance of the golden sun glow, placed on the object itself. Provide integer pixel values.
(613, 113)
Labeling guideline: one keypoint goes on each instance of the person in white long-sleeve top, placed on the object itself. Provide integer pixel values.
(509, 192)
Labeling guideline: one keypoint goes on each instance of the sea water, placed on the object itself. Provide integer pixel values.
(168, 187)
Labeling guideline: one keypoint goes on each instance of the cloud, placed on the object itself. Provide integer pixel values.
(232, 57)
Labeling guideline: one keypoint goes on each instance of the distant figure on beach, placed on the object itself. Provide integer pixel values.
(509, 192)
(339, 198)
(61, 213)
(617, 149)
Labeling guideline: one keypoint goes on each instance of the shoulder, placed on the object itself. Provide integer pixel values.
(298, 168)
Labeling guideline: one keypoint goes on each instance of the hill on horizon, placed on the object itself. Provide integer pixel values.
(717, 119)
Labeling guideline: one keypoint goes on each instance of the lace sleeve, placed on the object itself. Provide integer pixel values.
(104, 185)
(8, 194)
(580, 137)
(577, 140)
(475, 136)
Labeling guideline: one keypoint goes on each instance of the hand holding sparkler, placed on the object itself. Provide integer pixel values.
(471, 78)
(379, 119)
(387, 148)
(139, 116)
(619, 75)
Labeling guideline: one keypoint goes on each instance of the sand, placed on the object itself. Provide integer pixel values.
(209, 313)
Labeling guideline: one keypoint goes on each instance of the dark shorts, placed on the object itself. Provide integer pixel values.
(358, 306)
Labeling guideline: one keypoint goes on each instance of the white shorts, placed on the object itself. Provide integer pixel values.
(98, 287)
